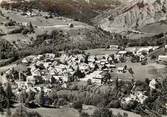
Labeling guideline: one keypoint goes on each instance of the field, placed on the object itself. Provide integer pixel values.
(99, 51)
(90, 109)
(67, 112)
(150, 71)
(74, 113)
(70, 112)
(49, 112)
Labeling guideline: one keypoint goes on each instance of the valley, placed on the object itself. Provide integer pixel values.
(83, 58)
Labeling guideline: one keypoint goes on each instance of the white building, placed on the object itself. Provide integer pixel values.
(162, 58)
(120, 70)
(113, 47)
(165, 46)
(122, 53)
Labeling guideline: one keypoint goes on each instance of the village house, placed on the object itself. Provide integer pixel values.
(132, 50)
(162, 58)
(122, 53)
(146, 49)
(113, 47)
(31, 80)
(165, 46)
(121, 69)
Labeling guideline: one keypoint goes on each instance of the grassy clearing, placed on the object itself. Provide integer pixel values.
(151, 70)
(90, 109)
(100, 51)
(67, 112)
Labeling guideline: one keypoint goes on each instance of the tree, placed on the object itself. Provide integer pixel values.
(9, 95)
(86, 58)
(8, 91)
(9, 98)
(31, 28)
(106, 77)
(40, 98)
(22, 96)
(2, 97)
(78, 74)
(131, 72)
(31, 96)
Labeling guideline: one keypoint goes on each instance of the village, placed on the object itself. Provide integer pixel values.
(52, 65)
(47, 72)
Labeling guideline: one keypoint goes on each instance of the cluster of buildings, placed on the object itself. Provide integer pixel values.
(48, 69)
(138, 51)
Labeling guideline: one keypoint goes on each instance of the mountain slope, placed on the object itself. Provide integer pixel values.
(50, 34)
(81, 10)
(133, 16)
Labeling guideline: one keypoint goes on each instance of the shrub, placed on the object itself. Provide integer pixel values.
(83, 114)
(61, 102)
(89, 82)
(125, 114)
(153, 57)
(144, 53)
(6, 50)
(103, 112)
(77, 105)
(114, 104)
(119, 115)
(34, 114)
